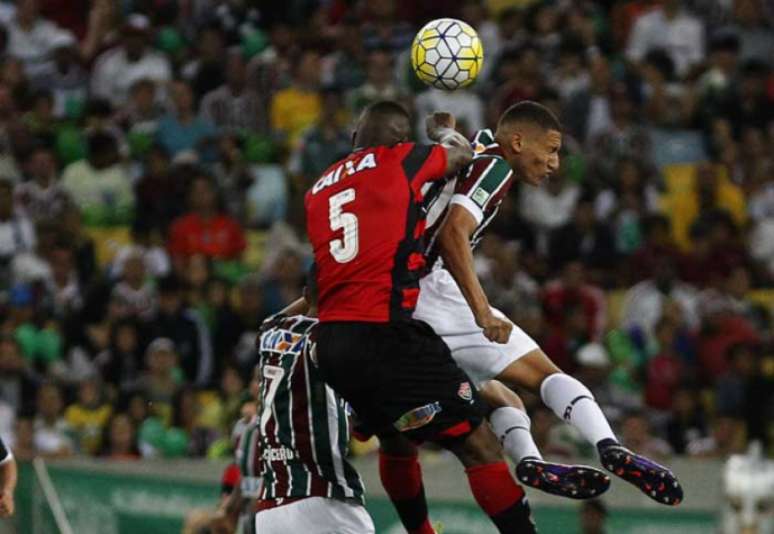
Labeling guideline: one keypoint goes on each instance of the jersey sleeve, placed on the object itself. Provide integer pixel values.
(424, 163)
(480, 185)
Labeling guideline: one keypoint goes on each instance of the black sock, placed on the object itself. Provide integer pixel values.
(413, 511)
(515, 520)
(604, 444)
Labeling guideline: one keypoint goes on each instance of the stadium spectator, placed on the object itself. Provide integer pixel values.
(119, 441)
(572, 288)
(583, 239)
(88, 417)
(235, 107)
(324, 143)
(161, 380)
(32, 38)
(636, 431)
(726, 438)
(64, 76)
(51, 431)
(186, 330)
(121, 363)
(99, 185)
(297, 107)
(687, 421)
(17, 235)
(42, 194)
(646, 302)
(379, 83)
(206, 72)
(672, 28)
(15, 377)
(181, 130)
(116, 70)
(134, 289)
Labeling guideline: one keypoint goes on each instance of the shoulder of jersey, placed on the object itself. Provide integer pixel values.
(483, 140)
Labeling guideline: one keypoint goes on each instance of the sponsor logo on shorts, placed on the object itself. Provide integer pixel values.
(480, 196)
(418, 417)
(278, 454)
(465, 392)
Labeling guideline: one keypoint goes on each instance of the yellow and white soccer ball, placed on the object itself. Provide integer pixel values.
(447, 54)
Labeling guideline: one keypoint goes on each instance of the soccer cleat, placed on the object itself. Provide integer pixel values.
(654, 480)
(571, 481)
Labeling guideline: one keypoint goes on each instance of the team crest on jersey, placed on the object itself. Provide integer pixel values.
(282, 341)
(418, 417)
(478, 148)
(480, 196)
(465, 392)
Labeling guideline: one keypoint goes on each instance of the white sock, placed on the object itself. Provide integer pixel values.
(512, 428)
(572, 401)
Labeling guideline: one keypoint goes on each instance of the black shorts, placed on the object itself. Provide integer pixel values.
(398, 377)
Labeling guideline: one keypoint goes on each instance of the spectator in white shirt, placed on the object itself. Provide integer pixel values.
(31, 38)
(466, 104)
(16, 232)
(673, 29)
(116, 70)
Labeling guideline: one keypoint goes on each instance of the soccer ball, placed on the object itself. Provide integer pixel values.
(447, 54)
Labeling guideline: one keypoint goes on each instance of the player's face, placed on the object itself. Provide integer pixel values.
(539, 156)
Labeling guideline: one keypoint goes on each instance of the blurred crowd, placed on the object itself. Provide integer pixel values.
(154, 155)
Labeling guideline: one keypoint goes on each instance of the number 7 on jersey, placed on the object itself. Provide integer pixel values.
(343, 250)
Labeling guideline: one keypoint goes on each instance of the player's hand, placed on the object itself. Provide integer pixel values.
(438, 121)
(221, 523)
(495, 329)
(7, 506)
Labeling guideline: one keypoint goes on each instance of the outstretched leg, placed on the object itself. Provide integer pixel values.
(572, 401)
(511, 425)
(401, 478)
(495, 491)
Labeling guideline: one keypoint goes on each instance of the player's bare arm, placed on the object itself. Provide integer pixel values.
(454, 244)
(8, 477)
(440, 128)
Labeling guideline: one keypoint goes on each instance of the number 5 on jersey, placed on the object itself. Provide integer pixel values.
(343, 250)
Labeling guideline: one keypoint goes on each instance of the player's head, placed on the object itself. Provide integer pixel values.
(530, 136)
(382, 123)
(310, 291)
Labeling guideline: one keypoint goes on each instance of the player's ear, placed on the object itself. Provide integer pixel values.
(516, 142)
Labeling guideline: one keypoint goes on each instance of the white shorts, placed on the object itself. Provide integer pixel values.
(442, 306)
(315, 515)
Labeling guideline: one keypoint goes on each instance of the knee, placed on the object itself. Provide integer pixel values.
(498, 395)
(479, 447)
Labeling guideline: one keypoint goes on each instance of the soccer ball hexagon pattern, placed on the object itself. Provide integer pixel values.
(447, 54)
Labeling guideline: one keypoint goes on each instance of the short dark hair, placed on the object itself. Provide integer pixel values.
(382, 123)
(532, 113)
(386, 108)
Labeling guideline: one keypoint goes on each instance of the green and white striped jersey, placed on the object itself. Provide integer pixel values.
(248, 456)
(480, 188)
(303, 424)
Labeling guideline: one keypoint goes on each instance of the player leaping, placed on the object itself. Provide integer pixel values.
(482, 340)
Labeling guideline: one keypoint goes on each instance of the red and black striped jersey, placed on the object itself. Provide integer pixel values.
(303, 424)
(480, 188)
(365, 220)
